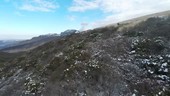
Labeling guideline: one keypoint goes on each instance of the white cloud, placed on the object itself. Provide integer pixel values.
(38, 5)
(120, 10)
(83, 5)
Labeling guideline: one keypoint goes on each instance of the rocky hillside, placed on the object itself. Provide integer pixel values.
(109, 61)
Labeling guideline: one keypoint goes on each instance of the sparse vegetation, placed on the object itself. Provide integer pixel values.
(5, 57)
(100, 62)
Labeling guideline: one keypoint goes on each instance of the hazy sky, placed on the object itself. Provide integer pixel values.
(22, 19)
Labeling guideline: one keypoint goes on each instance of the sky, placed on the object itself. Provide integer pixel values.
(24, 19)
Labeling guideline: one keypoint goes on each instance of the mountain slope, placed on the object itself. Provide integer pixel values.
(5, 57)
(100, 62)
(132, 22)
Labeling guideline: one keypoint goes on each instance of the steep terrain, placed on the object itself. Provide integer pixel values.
(133, 61)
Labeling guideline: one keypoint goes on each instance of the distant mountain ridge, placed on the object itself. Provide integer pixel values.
(68, 32)
(27, 45)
